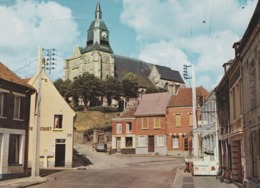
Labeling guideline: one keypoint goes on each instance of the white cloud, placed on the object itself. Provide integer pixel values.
(183, 31)
(28, 25)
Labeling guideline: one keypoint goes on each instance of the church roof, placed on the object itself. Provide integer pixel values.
(169, 74)
(124, 65)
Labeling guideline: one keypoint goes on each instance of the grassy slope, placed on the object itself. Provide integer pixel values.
(91, 119)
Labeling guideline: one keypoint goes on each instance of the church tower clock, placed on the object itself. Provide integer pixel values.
(96, 58)
(98, 34)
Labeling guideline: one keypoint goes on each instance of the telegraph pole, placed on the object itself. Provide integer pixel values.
(36, 129)
(195, 140)
(194, 106)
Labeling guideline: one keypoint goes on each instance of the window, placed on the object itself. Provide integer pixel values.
(145, 123)
(175, 142)
(129, 141)
(128, 127)
(157, 123)
(142, 141)
(14, 149)
(178, 120)
(190, 120)
(160, 140)
(57, 121)
(119, 128)
(1, 104)
(17, 107)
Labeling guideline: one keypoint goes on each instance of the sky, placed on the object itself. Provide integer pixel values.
(171, 33)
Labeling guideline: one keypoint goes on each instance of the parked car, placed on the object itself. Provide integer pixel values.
(101, 147)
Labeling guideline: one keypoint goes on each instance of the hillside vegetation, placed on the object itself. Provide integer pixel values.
(93, 119)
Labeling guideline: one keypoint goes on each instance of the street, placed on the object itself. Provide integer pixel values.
(117, 171)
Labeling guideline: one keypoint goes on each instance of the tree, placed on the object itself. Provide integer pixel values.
(63, 87)
(86, 86)
(130, 85)
(153, 89)
(112, 89)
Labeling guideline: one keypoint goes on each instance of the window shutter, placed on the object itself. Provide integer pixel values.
(146, 140)
(155, 140)
(136, 141)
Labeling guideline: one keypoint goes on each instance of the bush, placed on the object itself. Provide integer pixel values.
(103, 109)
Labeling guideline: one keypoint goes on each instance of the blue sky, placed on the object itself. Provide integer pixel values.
(165, 32)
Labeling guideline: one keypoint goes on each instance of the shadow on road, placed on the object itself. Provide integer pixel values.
(80, 160)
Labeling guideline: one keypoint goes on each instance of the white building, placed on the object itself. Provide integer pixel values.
(56, 126)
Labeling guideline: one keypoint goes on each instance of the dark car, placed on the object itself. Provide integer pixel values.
(101, 147)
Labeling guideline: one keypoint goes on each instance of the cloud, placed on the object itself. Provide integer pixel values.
(183, 31)
(29, 25)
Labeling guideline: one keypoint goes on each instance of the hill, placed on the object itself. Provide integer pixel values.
(93, 119)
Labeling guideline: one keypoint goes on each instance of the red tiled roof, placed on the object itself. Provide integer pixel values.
(153, 104)
(182, 98)
(7, 75)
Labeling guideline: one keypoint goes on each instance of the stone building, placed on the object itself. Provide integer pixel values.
(98, 58)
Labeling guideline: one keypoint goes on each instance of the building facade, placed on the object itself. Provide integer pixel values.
(180, 122)
(14, 123)
(56, 126)
(238, 109)
(248, 54)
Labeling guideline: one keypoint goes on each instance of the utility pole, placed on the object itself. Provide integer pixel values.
(195, 140)
(194, 106)
(36, 129)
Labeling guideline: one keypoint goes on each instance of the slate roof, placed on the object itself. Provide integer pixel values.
(9, 76)
(124, 65)
(153, 104)
(182, 98)
(169, 74)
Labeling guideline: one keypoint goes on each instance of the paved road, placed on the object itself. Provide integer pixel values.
(117, 171)
(101, 170)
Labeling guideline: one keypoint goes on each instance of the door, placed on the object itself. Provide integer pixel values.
(60, 155)
(118, 144)
(151, 144)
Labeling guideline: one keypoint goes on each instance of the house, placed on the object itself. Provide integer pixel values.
(123, 132)
(56, 126)
(14, 124)
(180, 122)
(150, 122)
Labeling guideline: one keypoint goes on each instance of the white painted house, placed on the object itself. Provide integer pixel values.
(56, 126)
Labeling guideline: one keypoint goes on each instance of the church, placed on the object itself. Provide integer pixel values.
(99, 59)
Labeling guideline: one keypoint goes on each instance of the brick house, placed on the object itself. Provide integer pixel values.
(123, 132)
(180, 122)
(151, 123)
(14, 123)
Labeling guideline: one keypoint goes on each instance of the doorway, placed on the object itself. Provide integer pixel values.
(60, 149)
(150, 143)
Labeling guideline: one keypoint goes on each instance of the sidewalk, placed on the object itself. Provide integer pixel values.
(186, 180)
(23, 182)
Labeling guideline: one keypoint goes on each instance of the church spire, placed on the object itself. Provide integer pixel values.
(98, 13)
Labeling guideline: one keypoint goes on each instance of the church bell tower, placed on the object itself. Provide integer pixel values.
(98, 34)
